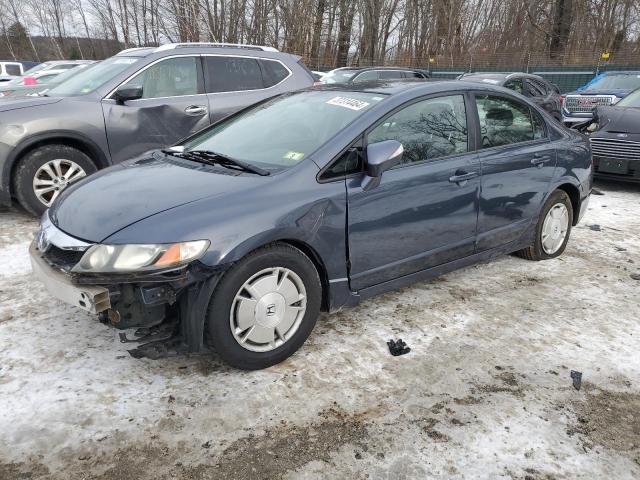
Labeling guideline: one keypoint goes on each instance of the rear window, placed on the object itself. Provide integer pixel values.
(273, 72)
(390, 74)
(232, 74)
(13, 70)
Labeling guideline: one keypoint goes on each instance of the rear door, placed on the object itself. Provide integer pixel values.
(424, 212)
(235, 82)
(518, 162)
(173, 106)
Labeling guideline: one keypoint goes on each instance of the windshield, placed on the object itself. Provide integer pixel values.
(338, 76)
(92, 78)
(281, 132)
(632, 100)
(616, 82)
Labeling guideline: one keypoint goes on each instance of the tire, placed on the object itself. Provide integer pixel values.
(267, 312)
(539, 250)
(70, 161)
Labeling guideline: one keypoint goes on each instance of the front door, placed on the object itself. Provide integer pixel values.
(424, 211)
(518, 162)
(173, 106)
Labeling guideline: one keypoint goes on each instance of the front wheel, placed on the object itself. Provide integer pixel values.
(552, 230)
(45, 171)
(264, 307)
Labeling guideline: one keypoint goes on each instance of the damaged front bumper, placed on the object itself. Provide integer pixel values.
(172, 302)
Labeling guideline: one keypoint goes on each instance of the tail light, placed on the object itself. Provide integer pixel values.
(29, 81)
(316, 83)
(561, 100)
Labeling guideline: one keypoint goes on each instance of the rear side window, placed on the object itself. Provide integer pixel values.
(429, 129)
(503, 121)
(65, 66)
(172, 77)
(274, 72)
(13, 70)
(232, 74)
(390, 74)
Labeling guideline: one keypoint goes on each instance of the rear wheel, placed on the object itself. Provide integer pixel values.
(553, 229)
(45, 172)
(264, 307)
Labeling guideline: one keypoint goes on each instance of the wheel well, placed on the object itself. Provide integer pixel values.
(574, 196)
(92, 152)
(317, 261)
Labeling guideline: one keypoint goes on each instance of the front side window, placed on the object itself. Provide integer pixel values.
(429, 129)
(281, 132)
(168, 78)
(366, 76)
(92, 78)
(232, 74)
(503, 121)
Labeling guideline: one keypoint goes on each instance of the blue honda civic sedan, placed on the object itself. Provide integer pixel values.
(234, 240)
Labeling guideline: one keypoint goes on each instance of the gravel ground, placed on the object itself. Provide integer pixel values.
(485, 392)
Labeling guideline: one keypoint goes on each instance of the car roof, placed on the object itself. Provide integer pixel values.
(397, 87)
(621, 72)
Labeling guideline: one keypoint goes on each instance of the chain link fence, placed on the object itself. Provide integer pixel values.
(567, 71)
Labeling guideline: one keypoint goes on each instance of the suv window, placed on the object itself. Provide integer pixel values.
(13, 70)
(232, 74)
(366, 76)
(168, 78)
(429, 129)
(273, 72)
(390, 74)
(515, 85)
(503, 121)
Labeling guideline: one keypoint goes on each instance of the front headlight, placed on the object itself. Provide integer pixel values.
(139, 257)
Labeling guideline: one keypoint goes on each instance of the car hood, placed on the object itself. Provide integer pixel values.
(8, 104)
(124, 194)
(618, 119)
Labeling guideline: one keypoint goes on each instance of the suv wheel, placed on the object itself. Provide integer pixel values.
(45, 171)
(264, 307)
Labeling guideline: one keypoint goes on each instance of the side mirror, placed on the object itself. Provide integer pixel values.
(127, 92)
(381, 157)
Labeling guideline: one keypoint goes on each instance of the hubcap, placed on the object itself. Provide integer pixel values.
(53, 177)
(554, 228)
(268, 309)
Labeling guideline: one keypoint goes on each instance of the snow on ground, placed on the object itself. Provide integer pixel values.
(485, 392)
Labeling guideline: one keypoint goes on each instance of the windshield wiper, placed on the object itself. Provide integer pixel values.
(214, 158)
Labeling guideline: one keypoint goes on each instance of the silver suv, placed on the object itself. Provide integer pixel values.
(138, 100)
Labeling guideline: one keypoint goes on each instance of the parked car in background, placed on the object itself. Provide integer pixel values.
(140, 99)
(58, 65)
(368, 74)
(10, 70)
(32, 84)
(312, 200)
(605, 89)
(614, 133)
(539, 90)
(317, 76)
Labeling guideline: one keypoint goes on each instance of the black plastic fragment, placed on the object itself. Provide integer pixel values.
(398, 347)
(577, 379)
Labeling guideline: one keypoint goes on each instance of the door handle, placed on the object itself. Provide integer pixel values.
(461, 177)
(195, 110)
(539, 160)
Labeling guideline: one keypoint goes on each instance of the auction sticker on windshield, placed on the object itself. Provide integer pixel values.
(350, 103)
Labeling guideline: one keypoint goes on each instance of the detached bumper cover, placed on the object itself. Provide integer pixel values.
(92, 298)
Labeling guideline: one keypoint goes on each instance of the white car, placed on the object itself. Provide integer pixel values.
(10, 70)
